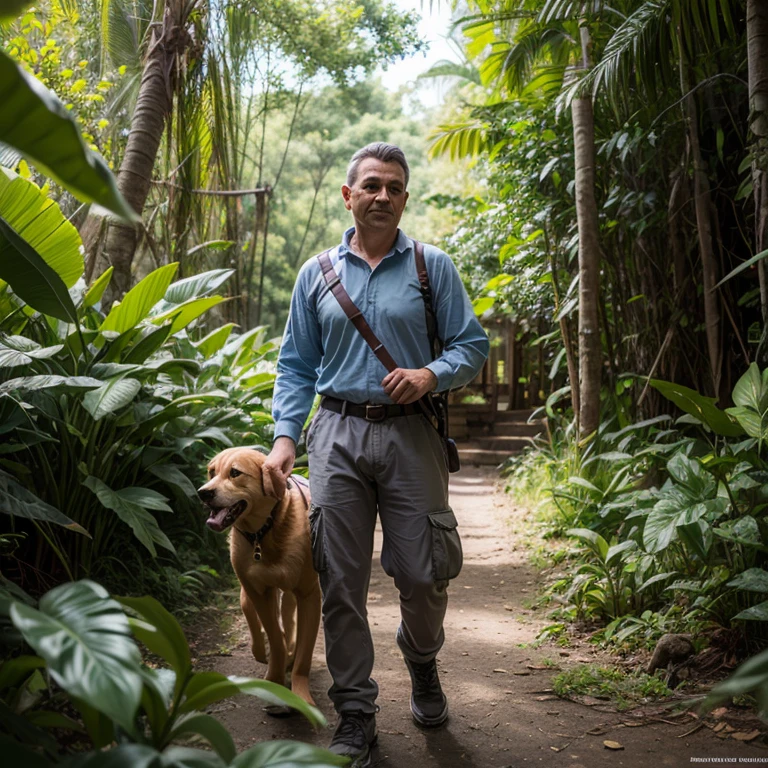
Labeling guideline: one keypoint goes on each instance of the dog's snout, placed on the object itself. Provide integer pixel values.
(205, 494)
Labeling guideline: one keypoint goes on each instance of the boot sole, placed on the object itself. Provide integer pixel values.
(365, 761)
(428, 723)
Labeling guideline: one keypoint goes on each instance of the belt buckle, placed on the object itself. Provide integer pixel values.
(375, 412)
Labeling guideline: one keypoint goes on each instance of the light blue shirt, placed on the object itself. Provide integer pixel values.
(323, 352)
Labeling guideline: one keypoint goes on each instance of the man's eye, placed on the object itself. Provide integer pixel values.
(234, 472)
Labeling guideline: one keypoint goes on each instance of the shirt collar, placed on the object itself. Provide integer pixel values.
(402, 243)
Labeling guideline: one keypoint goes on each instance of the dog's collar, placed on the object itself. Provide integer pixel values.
(254, 539)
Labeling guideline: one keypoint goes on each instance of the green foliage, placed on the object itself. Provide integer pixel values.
(106, 418)
(36, 123)
(750, 677)
(626, 690)
(670, 522)
(132, 713)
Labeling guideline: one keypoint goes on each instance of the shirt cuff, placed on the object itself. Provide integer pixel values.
(286, 428)
(444, 373)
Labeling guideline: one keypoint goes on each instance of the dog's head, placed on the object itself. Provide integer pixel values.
(235, 487)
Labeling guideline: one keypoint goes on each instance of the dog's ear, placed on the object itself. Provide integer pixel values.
(274, 482)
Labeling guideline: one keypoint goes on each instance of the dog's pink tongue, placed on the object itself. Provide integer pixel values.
(216, 521)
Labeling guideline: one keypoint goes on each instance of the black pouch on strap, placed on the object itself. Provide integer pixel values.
(451, 454)
(447, 557)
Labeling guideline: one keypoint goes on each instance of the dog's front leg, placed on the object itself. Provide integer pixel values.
(308, 624)
(268, 609)
(254, 625)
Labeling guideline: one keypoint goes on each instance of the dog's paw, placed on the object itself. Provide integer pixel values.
(259, 651)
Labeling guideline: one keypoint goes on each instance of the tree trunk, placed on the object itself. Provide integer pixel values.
(590, 353)
(757, 55)
(590, 348)
(153, 107)
(703, 207)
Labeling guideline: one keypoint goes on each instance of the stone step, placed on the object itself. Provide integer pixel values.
(470, 455)
(514, 429)
(509, 443)
(518, 416)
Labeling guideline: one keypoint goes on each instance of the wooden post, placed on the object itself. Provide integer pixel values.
(512, 369)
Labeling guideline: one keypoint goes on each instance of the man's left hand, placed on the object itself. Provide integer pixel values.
(407, 385)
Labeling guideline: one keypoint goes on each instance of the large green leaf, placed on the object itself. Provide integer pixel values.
(11, 357)
(185, 313)
(172, 475)
(696, 482)
(111, 397)
(661, 526)
(206, 688)
(96, 291)
(16, 500)
(121, 756)
(9, 9)
(751, 390)
(757, 612)
(35, 122)
(195, 287)
(287, 754)
(37, 219)
(703, 408)
(755, 424)
(83, 635)
(43, 381)
(199, 724)
(138, 302)
(215, 340)
(751, 580)
(142, 523)
(165, 635)
(31, 279)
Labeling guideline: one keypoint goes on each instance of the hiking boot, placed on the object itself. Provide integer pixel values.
(429, 706)
(354, 737)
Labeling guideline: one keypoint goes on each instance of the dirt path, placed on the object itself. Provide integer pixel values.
(502, 715)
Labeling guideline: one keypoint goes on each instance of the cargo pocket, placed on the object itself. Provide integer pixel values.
(447, 557)
(317, 538)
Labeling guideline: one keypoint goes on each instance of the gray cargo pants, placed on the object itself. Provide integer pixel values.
(396, 466)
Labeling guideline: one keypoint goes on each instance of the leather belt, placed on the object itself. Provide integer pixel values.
(369, 412)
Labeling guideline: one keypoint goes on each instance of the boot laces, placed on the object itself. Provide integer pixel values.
(427, 682)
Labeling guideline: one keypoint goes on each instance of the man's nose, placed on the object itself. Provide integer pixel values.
(383, 195)
(205, 494)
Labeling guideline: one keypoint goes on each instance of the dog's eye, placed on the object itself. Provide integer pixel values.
(234, 472)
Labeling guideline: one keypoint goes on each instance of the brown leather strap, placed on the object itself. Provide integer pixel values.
(426, 294)
(333, 281)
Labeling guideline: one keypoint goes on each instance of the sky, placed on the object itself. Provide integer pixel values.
(433, 28)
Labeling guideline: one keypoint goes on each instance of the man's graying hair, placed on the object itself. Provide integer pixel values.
(379, 150)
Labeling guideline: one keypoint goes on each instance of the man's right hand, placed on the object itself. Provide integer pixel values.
(278, 466)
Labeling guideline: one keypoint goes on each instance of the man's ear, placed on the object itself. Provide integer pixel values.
(346, 193)
(274, 483)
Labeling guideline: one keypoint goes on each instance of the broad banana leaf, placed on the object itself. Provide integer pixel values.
(35, 122)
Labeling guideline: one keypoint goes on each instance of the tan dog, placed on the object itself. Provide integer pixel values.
(270, 560)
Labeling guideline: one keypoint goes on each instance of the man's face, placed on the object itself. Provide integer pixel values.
(377, 198)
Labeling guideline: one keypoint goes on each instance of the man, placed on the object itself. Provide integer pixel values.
(370, 446)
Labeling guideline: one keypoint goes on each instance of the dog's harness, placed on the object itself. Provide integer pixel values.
(255, 539)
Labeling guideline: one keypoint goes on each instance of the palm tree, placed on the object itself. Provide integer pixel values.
(655, 49)
(757, 55)
(539, 42)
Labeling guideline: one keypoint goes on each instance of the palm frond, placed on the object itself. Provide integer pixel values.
(467, 139)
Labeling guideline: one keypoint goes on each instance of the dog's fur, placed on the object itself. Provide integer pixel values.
(236, 483)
